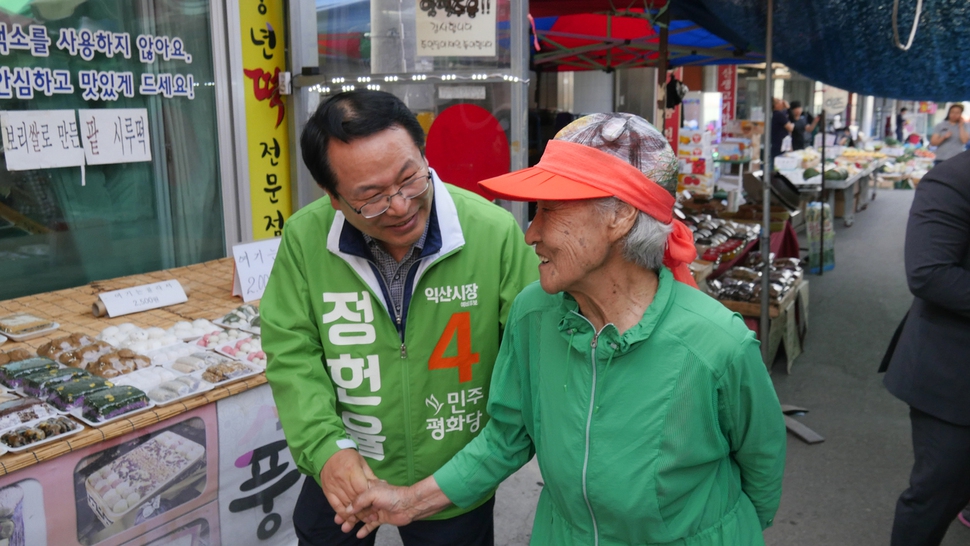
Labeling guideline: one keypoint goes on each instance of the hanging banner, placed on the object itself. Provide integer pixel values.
(258, 480)
(672, 117)
(267, 136)
(727, 84)
(40, 139)
(460, 28)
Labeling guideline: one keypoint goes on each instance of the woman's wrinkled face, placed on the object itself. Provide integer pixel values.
(572, 242)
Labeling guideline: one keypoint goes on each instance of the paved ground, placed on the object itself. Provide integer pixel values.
(841, 492)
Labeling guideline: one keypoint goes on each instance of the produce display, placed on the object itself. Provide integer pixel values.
(743, 283)
(718, 239)
(140, 474)
(111, 402)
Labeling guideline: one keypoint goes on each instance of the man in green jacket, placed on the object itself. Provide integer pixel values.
(645, 401)
(383, 317)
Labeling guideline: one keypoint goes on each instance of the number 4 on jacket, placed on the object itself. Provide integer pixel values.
(459, 324)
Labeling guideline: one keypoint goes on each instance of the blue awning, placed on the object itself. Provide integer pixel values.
(849, 44)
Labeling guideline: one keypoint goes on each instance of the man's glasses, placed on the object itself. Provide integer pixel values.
(377, 206)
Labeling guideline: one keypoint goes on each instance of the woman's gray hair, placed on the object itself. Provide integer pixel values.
(646, 241)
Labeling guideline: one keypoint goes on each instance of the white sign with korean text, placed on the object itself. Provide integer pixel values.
(835, 100)
(115, 135)
(258, 480)
(143, 297)
(40, 139)
(458, 28)
(254, 262)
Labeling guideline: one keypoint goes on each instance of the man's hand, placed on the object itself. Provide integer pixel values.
(344, 477)
(383, 503)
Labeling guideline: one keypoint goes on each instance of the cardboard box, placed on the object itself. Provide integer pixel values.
(696, 184)
(734, 149)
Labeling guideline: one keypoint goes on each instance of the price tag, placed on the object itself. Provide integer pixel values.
(142, 298)
(253, 264)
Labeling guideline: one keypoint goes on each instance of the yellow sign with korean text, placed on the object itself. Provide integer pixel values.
(267, 134)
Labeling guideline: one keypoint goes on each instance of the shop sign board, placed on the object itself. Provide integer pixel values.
(458, 28)
(40, 139)
(253, 263)
(267, 134)
(727, 84)
(927, 108)
(258, 480)
(835, 101)
(115, 135)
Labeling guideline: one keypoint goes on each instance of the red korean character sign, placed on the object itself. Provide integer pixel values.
(267, 137)
(727, 84)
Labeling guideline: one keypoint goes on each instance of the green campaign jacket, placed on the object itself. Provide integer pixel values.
(409, 390)
(670, 433)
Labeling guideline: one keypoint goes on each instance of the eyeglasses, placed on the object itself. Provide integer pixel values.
(377, 206)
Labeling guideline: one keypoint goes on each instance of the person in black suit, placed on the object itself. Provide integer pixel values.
(929, 367)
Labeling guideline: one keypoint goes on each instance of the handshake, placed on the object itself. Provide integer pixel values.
(358, 496)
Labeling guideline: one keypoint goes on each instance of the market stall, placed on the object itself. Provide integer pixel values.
(202, 463)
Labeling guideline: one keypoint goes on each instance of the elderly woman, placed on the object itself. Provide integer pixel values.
(645, 400)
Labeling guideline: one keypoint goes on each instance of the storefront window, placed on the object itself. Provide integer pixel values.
(131, 83)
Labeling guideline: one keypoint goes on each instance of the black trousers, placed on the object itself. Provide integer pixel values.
(313, 519)
(939, 485)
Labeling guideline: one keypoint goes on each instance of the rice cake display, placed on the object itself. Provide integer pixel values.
(178, 388)
(185, 330)
(244, 316)
(119, 363)
(70, 394)
(85, 356)
(112, 402)
(23, 410)
(222, 338)
(129, 336)
(197, 361)
(40, 384)
(36, 433)
(144, 472)
(15, 371)
(55, 348)
(20, 324)
(227, 371)
(14, 355)
(146, 379)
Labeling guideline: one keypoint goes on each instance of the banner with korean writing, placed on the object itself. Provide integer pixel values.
(41, 139)
(461, 28)
(727, 84)
(267, 135)
(115, 135)
(258, 480)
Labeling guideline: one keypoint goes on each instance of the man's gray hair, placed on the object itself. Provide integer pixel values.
(646, 241)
